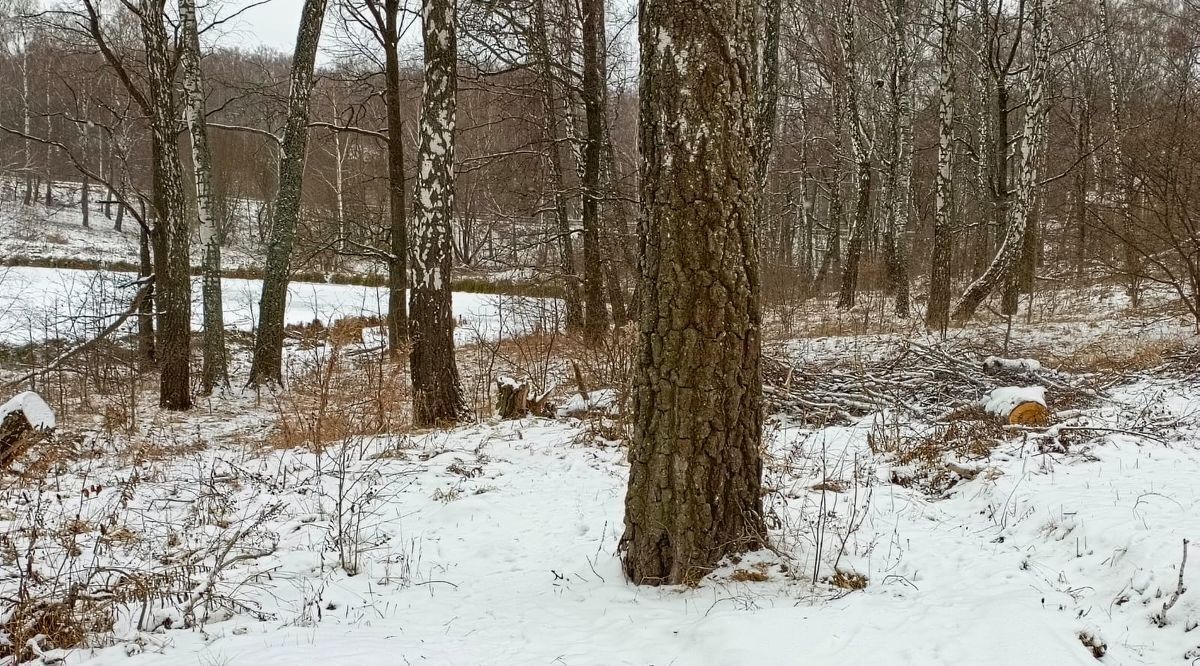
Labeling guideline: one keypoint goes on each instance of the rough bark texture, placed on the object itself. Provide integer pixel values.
(695, 467)
(266, 366)
(937, 314)
(512, 398)
(1033, 133)
(173, 282)
(595, 312)
(437, 392)
(213, 371)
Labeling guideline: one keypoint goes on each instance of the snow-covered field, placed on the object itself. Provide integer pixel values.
(46, 303)
(496, 544)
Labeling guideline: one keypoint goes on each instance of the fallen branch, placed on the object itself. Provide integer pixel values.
(82, 347)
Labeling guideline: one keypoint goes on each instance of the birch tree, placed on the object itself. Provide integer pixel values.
(1032, 137)
(267, 363)
(900, 152)
(436, 389)
(860, 153)
(213, 371)
(695, 472)
(937, 314)
(1124, 177)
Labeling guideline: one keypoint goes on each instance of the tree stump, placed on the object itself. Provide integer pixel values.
(22, 420)
(512, 398)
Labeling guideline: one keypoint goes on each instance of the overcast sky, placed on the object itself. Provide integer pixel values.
(273, 24)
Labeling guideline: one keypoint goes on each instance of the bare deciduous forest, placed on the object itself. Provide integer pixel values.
(596, 332)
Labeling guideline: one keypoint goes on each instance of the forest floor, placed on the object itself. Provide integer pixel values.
(906, 527)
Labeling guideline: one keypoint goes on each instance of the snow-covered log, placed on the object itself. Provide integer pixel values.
(23, 415)
(1024, 405)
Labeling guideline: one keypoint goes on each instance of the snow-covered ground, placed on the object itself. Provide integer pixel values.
(45, 303)
(496, 544)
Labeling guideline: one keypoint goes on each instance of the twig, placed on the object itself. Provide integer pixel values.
(1160, 618)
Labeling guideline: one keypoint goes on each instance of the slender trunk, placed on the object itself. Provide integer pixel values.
(119, 223)
(900, 170)
(145, 321)
(937, 314)
(595, 312)
(551, 124)
(26, 116)
(437, 392)
(397, 321)
(213, 373)
(1082, 185)
(1124, 177)
(861, 155)
(84, 189)
(767, 105)
(173, 290)
(695, 467)
(267, 364)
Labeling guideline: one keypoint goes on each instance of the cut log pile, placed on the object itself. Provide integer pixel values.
(927, 381)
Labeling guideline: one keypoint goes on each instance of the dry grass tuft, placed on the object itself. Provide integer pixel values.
(756, 575)
(930, 460)
(848, 580)
(1120, 356)
(338, 396)
(51, 625)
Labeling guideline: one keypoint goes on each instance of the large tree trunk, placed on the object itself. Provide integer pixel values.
(398, 262)
(1007, 257)
(267, 364)
(695, 469)
(937, 314)
(213, 372)
(595, 312)
(437, 392)
(173, 282)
